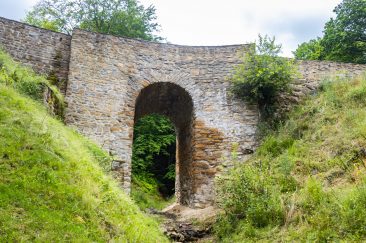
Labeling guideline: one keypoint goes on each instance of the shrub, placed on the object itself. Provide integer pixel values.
(263, 74)
(313, 195)
(334, 214)
(311, 171)
(353, 213)
(248, 194)
(358, 94)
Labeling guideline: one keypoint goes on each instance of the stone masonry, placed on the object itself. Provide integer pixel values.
(113, 81)
(45, 51)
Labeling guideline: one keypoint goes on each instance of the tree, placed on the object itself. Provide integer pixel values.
(344, 37)
(312, 50)
(117, 17)
(153, 156)
(263, 74)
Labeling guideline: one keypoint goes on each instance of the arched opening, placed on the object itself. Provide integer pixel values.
(173, 102)
(153, 161)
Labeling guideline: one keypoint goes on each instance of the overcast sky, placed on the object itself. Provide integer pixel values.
(213, 22)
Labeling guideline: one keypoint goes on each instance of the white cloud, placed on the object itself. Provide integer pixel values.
(213, 22)
(207, 22)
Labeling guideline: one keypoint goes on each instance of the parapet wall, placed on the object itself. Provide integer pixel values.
(48, 53)
(45, 51)
(312, 73)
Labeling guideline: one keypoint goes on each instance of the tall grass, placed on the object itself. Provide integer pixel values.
(27, 82)
(53, 185)
(306, 182)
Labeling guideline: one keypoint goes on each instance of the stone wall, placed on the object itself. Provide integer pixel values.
(107, 74)
(112, 82)
(312, 73)
(45, 51)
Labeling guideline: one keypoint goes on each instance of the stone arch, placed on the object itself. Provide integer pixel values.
(176, 76)
(176, 103)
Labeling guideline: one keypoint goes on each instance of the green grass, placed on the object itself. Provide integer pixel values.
(53, 182)
(27, 82)
(307, 181)
(147, 196)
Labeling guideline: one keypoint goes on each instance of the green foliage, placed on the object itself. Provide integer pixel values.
(153, 160)
(52, 184)
(312, 50)
(40, 20)
(146, 194)
(116, 17)
(353, 213)
(313, 195)
(256, 201)
(344, 37)
(153, 136)
(263, 74)
(311, 170)
(275, 146)
(25, 81)
(358, 94)
(334, 215)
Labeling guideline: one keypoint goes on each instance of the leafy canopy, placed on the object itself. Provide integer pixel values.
(344, 37)
(117, 17)
(263, 74)
(153, 157)
(312, 50)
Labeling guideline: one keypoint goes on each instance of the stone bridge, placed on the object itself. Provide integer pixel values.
(110, 82)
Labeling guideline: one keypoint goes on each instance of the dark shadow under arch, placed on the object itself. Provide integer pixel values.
(174, 102)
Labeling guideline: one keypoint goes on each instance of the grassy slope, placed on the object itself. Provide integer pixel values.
(52, 183)
(306, 182)
(147, 195)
